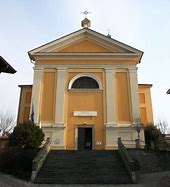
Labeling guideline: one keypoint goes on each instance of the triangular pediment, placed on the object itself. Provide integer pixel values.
(85, 41)
(84, 46)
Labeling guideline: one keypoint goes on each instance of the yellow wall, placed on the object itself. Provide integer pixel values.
(48, 95)
(93, 100)
(145, 103)
(84, 46)
(144, 97)
(85, 101)
(24, 103)
(122, 97)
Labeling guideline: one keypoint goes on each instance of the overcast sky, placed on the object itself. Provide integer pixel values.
(141, 24)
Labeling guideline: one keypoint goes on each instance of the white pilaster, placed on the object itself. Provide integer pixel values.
(36, 93)
(134, 94)
(60, 97)
(110, 97)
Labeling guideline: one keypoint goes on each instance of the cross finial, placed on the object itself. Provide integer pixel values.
(108, 33)
(86, 13)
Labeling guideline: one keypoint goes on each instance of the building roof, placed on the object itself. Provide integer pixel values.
(168, 92)
(25, 85)
(5, 67)
(119, 47)
(145, 85)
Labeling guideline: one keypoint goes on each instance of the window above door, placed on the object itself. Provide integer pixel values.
(85, 82)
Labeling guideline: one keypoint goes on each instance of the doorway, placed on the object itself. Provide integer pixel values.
(85, 138)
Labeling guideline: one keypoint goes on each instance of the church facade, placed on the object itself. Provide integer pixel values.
(85, 92)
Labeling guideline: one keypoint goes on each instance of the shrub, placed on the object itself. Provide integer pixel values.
(153, 137)
(26, 135)
(17, 161)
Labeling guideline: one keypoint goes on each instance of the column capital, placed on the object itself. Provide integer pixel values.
(108, 69)
(133, 69)
(61, 68)
(37, 69)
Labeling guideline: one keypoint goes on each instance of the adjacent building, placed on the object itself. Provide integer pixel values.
(5, 67)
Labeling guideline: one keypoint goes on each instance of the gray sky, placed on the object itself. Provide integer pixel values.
(142, 24)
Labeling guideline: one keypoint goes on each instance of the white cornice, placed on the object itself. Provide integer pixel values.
(86, 56)
(84, 66)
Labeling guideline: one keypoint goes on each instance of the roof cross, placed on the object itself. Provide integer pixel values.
(108, 33)
(86, 13)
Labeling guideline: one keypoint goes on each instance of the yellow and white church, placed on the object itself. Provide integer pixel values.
(86, 93)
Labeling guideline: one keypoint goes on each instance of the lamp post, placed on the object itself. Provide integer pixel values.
(138, 129)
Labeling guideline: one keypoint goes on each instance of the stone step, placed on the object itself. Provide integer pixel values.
(83, 167)
(84, 181)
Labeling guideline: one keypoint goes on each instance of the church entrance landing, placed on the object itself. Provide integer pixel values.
(85, 138)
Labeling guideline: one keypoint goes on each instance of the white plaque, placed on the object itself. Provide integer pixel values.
(98, 142)
(84, 113)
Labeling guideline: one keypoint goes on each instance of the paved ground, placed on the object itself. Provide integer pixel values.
(146, 180)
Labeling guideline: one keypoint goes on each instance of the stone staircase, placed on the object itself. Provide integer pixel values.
(83, 167)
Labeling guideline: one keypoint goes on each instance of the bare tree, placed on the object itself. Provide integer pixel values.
(168, 130)
(7, 123)
(162, 125)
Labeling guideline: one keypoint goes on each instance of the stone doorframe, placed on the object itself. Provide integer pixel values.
(85, 126)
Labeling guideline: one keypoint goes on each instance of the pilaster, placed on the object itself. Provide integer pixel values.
(110, 97)
(134, 94)
(36, 93)
(60, 96)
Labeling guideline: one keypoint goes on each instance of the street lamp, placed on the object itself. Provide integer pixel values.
(138, 127)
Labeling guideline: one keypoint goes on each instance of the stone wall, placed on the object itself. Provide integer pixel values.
(151, 161)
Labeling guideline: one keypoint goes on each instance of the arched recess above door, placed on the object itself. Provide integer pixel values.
(85, 81)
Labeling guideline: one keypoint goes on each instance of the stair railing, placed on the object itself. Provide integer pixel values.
(39, 159)
(128, 161)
